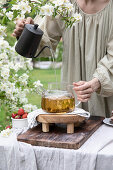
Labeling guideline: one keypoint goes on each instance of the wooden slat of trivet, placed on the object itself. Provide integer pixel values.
(58, 138)
(69, 120)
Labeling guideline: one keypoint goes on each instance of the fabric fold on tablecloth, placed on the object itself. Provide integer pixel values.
(32, 122)
(87, 159)
(84, 158)
(19, 156)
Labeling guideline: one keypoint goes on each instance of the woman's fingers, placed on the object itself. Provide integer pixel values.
(20, 26)
(20, 22)
(82, 87)
(83, 90)
(15, 33)
(79, 83)
(83, 100)
(29, 20)
(84, 96)
(87, 91)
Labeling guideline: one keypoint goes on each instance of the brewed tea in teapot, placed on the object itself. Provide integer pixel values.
(59, 98)
(57, 101)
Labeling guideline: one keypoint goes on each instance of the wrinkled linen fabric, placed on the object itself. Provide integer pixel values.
(88, 53)
(32, 122)
(16, 155)
(91, 156)
(95, 154)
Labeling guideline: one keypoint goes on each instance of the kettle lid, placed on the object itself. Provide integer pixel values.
(34, 29)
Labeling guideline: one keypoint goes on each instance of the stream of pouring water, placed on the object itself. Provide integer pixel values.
(41, 90)
(53, 59)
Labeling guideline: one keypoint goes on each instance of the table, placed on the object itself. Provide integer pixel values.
(95, 154)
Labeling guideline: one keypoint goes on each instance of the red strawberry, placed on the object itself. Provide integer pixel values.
(8, 127)
(112, 112)
(20, 111)
(18, 117)
(14, 115)
(24, 115)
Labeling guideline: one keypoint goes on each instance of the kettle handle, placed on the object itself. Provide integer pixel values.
(17, 37)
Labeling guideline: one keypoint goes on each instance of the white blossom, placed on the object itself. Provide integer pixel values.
(29, 108)
(6, 133)
(5, 72)
(23, 79)
(2, 2)
(47, 10)
(2, 31)
(15, 7)
(77, 16)
(4, 10)
(23, 100)
(4, 45)
(37, 84)
(3, 86)
(24, 7)
(60, 2)
(69, 7)
(9, 15)
(3, 56)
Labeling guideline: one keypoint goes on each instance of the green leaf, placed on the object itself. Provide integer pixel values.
(15, 13)
(4, 20)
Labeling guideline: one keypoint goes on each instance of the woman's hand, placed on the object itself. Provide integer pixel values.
(20, 26)
(84, 89)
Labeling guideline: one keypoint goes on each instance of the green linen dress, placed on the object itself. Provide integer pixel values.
(88, 53)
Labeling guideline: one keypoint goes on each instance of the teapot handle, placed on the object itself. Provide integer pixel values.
(77, 104)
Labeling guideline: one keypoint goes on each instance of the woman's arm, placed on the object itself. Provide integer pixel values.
(52, 33)
(51, 28)
(102, 81)
(84, 89)
(104, 71)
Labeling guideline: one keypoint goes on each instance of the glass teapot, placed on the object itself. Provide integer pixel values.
(59, 98)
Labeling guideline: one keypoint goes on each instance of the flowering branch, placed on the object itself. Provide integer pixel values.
(14, 88)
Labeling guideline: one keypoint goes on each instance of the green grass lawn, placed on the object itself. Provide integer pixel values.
(45, 76)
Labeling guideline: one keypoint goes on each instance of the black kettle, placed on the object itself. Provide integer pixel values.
(29, 41)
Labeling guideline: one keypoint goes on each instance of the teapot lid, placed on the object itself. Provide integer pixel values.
(34, 29)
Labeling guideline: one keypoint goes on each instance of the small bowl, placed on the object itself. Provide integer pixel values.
(19, 123)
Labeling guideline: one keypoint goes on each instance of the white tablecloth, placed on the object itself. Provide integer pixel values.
(95, 154)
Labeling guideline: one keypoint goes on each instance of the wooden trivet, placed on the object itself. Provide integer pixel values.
(69, 120)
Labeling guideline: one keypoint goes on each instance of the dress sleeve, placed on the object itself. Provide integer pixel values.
(52, 33)
(104, 71)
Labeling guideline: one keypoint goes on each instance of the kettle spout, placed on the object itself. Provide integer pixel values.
(40, 51)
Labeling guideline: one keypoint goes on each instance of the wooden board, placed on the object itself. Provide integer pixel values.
(58, 138)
